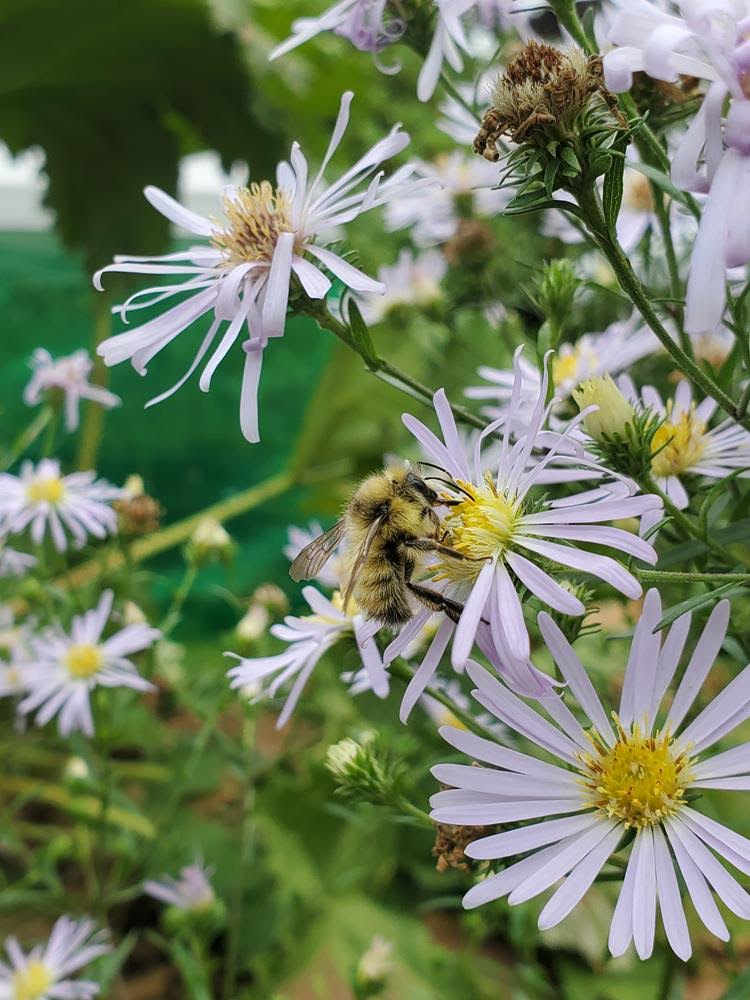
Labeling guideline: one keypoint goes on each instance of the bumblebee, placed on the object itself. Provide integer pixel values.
(389, 525)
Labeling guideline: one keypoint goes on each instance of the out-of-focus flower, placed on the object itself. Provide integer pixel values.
(592, 355)
(308, 639)
(606, 781)
(459, 186)
(64, 667)
(46, 502)
(242, 275)
(253, 624)
(192, 890)
(45, 972)
(376, 965)
(448, 42)
(14, 563)
(209, 540)
(684, 445)
(370, 25)
(70, 377)
(411, 281)
(507, 541)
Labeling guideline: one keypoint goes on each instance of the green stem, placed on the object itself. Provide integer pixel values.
(588, 201)
(399, 669)
(27, 437)
(178, 600)
(659, 576)
(390, 373)
(93, 422)
(408, 807)
(661, 208)
(246, 849)
(566, 13)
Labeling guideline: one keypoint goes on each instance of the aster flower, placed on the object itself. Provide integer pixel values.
(192, 890)
(13, 563)
(685, 445)
(448, 43)
(308, 638)
(508, 535)
(431, 211)
(68, 376)
(45, 972)
(635, 776)
(241, 275)
(368, 24)
(64, 667)
(708, 41)
(47, 502)
(621, 345)
(411, 281)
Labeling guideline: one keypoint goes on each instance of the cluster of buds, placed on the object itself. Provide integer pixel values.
(622, 435)
(209, 542)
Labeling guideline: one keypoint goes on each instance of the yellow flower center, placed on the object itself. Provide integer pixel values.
(257, 216)
(83, 661)
(46, 488)
(481, 527)
(337, 601)
(637, 195)
(571, 364)
(32, 982)
(678, 445)
(640, 780)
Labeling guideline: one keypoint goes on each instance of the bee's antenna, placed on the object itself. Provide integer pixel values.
(449, 483)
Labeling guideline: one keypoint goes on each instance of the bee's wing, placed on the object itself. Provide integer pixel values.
(359, 559)
(311, 560)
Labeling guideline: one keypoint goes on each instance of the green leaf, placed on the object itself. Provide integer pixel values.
(613, 189)
(740, 988)
(697, 601)
(115, 93)
(361, 336)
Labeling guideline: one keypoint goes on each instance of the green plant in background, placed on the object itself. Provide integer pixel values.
(187, 837)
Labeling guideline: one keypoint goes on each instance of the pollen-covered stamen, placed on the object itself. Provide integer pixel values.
(678, 443)
(481, 526)
(49, 489)
(257, 215)
(641, 780)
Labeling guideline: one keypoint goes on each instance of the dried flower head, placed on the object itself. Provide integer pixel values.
(540, 95)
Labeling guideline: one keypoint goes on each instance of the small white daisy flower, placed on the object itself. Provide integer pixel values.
(411, 281)
(192, 890)
(64, 667)
(45, 501)
(308, 639)
(684, 445)
(241, 276)
(69, 376)
(431, 211)
(636, 775)
(44, 973)
(13, 563)
(507, 535)
(593, 354)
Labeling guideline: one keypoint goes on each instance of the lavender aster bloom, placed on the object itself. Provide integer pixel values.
(192, 890)
(308, 639)
(634, 775)
(63, 667)
(44, 973)
(368, 25)
(69, 376)
(508, 535)
(241, 276)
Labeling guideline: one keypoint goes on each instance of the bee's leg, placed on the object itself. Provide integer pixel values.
(430, 545)
(436, 602)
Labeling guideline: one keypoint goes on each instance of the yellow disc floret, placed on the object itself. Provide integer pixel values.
(45, 488)
(678, 443)
(83, 660)
(32, 982)
(641, 780)
(257, 215)
(481, 527)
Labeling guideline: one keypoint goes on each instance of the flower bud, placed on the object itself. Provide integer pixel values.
(374, 968)
(210, 540)
(614, 412)
(362, 769)
(253, 624)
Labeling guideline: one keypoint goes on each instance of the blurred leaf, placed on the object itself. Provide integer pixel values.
(114, 94)
(697, 601)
